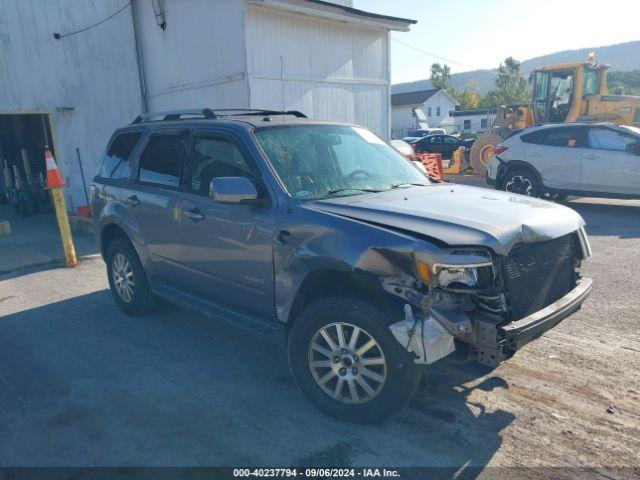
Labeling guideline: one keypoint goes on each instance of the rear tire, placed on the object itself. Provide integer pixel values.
(348, 380)
(482, 150)
(521, 181)
(127, 279)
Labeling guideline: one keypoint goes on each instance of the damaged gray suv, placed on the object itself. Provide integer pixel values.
(321, 236)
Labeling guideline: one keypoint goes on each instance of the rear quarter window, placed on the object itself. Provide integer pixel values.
(116, 161)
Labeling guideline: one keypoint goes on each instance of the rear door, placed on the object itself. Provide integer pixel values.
(556, 153)
(153, 201)
(608, 165)
(227, 249)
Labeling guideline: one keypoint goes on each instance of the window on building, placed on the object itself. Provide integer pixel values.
(438, 111)
(115, 163)
(428, 111)
(161, 159)
(214, 157)
(466, 125)
(483, 123)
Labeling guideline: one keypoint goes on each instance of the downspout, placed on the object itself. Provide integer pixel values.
(138, 47)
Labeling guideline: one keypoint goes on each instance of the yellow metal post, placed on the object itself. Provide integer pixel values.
(60, 204)
(56, 185)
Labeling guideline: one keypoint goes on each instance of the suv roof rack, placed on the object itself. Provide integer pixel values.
(210, 114)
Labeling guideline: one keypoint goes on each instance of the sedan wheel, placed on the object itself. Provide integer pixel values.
(347, 363)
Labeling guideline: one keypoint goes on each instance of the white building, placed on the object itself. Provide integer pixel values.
(472, 121)
(411, 110)
(328, 60)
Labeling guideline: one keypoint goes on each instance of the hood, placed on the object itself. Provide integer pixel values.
(459, 215)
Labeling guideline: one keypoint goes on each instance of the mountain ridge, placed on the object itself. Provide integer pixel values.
(621, 56)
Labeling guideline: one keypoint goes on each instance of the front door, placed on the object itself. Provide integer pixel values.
(227, 249)
(608, 165)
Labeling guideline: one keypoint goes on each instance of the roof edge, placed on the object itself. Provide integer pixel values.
(335, 12)
(357, 11)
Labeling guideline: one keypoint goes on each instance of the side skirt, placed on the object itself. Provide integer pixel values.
(268, 328)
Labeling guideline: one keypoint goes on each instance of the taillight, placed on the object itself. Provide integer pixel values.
(500, 149)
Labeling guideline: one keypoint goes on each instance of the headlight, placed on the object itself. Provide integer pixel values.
(458, 276)
(476, 272)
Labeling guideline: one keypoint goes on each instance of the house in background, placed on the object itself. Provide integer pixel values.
(472, 121)
(326, 59)
(410, 110)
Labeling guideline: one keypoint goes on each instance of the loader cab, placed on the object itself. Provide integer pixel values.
(559, 92)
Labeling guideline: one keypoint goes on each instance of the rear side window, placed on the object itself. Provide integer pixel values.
(161, 159)
(115, 163)
(555, 137)
(606, 139)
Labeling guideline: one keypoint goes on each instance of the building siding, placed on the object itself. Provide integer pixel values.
(327, 70)
(94, 73)
(199, 60)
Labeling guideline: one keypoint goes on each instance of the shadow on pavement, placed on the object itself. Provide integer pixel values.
(83, 384)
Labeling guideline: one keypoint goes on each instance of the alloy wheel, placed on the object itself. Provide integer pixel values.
(519, 184)
(347, 363)
(123, 277)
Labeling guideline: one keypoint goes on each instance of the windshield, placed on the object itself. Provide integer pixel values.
(321, 161)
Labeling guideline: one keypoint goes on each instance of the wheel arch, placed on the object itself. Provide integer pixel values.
(330, 282)
(108, 234)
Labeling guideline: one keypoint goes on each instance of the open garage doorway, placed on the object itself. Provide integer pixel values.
(23, 138)
(29, 235)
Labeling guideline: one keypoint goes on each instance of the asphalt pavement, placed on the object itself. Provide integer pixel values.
(82, 384)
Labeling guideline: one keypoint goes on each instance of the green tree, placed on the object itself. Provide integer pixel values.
(441, 76)
(469, 98)
(626, 83)
(511, 87)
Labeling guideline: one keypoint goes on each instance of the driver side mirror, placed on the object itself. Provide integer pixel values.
(238, 190)
(634, 147)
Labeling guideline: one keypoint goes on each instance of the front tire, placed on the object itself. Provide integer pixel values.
(127, 279)
(348, 364)
(521, 181)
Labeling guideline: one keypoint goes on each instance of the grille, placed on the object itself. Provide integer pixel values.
(538, 274)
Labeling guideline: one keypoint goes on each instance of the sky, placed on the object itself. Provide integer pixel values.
(482, 33)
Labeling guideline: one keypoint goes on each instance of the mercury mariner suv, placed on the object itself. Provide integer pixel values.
(323, 237)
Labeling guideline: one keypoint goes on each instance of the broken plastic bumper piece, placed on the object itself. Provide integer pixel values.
(430, 335)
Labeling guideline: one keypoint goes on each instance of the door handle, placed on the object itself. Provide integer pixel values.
(132, 200)
(282, 236)
(194, 214)
(592, 156)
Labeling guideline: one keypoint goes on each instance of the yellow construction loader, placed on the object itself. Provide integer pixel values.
(570, 92)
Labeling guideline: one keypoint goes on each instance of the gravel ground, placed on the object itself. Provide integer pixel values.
(81, 384)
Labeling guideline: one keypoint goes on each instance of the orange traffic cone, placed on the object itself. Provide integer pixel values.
(54, 179)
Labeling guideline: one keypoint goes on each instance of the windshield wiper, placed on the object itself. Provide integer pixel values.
(339, 190)
(409, 184)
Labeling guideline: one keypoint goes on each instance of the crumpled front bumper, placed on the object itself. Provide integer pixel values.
(518, 333)
(492, 339)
